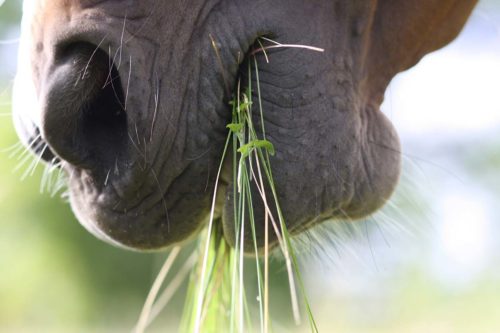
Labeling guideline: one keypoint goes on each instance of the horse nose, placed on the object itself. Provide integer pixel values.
(83, 114)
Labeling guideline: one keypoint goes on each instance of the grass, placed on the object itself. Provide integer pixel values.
(216, 299)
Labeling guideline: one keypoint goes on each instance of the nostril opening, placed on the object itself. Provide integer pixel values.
(103, 124)
(84, 119)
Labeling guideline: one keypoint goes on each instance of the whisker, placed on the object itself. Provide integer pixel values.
(137, 135)
(46, 180)
(62, 181)
(14, 147)
(121, 39)
(92, 56)
(35, 160)
(145, 153)
(418, 159)
(220, 64)
(116, 93)
(29, 168)
(34, 141)
(199, 155)
(128, 82)
(146, 20)
(107, 178)
(162, 197)
(135, 145)
(54, 168)
(39, 158)
(109, 78)
(22, 162)
(23, 158)
(117, 170)
(156, 96)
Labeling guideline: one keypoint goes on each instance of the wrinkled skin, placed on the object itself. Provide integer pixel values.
(132, 97)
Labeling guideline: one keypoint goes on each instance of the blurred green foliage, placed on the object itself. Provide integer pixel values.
(10, 14)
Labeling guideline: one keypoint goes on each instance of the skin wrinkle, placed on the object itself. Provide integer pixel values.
(141, 201)
(139, 207)
(145, 21)
(269, 83)
(202, 117)
(320, 109)
(318, 78)
(114, 187)
(281, 122)
(162, 168)
(167, 146)
(160, 110)
(365, 152)
(303, 66)
(157, 156)
(277, 125)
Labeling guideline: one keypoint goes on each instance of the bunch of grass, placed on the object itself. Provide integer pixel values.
(216, 298)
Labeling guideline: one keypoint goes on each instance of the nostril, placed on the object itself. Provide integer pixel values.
(104, 121)
(83, 117)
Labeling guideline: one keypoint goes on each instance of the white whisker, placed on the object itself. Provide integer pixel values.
(16, 147)
(92, 56)
(162, 198)
(128, 83)
(156, 97)
(121, 40)
(107, 178)
(38, 159)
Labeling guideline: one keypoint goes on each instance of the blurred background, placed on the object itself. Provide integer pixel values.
(429, 262)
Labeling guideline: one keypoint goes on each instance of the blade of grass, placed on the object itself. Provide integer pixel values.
(146, 310)
(199, 309)
(283, 225)
(173, 286)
